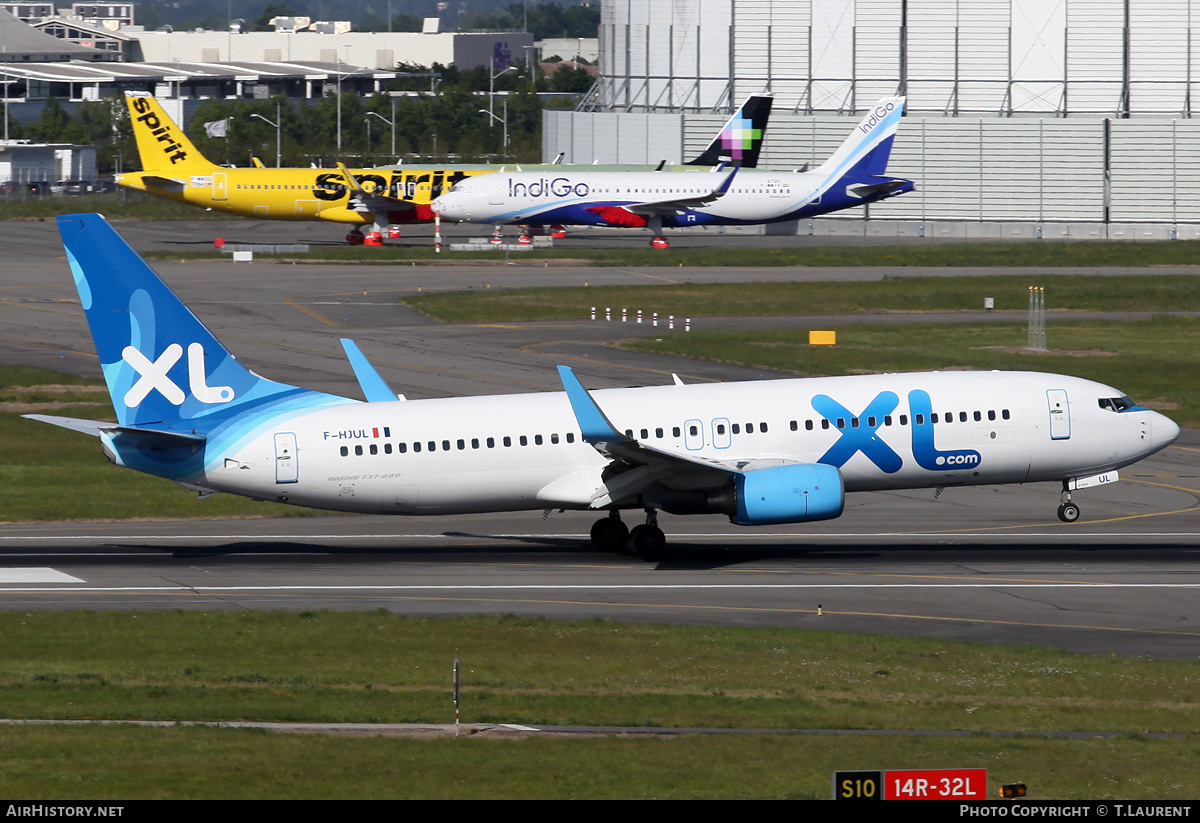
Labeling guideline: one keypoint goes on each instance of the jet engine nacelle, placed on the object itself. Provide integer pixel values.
(788, 494)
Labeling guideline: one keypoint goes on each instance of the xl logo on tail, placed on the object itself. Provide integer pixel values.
(153, 376)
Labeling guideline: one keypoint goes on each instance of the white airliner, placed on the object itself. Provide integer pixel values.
(854, 176)
(764, 452)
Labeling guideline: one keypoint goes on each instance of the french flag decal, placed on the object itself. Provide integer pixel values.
(387, 431)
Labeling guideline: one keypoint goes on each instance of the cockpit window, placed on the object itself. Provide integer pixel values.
(1117, 404)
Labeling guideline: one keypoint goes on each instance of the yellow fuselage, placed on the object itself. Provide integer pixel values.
(302, 194)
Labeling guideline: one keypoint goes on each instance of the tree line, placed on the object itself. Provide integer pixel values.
(449, 123)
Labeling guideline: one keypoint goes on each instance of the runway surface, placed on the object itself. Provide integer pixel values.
(989, 564)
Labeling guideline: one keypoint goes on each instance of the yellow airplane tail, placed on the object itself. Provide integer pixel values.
(161, 143)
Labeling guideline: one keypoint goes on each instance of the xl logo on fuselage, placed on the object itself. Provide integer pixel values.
(152, 376)
(857, 433)
(860, 433)
(927, 455)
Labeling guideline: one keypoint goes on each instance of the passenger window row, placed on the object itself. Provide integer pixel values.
(873, 422)
(461, 444)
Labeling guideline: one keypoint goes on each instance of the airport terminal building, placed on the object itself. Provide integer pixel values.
(1076, 116)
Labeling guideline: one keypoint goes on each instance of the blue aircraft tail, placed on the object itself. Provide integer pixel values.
(162, 366)
(866, 151)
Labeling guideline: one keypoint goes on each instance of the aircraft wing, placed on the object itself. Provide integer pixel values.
(678, 204)
(371, 202)
(636, 465)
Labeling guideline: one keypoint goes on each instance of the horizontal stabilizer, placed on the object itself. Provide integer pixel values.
(165, 183)
(156, 439)
(93, 427)
(876, 190)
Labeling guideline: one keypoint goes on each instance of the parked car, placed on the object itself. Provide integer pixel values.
(71, 187)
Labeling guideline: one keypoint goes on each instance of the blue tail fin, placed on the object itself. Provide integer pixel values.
(866, 151)
(160, 362)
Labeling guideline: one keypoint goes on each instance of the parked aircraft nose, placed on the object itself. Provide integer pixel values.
(451, 207)
(1163, 431)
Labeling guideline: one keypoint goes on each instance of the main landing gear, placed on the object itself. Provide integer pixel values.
(1068, 512)
(610, 534)
(373, 236)
(647, 541)
(655, 225)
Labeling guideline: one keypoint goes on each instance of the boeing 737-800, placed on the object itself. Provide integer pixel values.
(175, 169)
(764, 452)
(853, 176)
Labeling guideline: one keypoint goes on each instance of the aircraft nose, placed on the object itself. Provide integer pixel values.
(1163, 431)
(448, 207)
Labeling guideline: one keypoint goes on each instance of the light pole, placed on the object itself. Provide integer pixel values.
(492, 87)
(338, 72)
(503, 120)
(391, 123)
(276, 124)
(339, 96)
(530, 56)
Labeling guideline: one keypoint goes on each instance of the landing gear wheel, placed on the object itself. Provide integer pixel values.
(609, 534)
(660, 243)
(648, 542)
(355, 237)
(1068, 512)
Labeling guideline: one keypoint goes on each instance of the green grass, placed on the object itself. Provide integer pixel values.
(44, 468)
(915, 294)
(379, 667)
(1155, 361)
(122, 764)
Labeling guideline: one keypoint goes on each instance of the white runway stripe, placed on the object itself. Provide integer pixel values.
(612, 587)
(36, 576)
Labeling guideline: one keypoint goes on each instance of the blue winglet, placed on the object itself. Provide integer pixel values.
(593, 425)
(374, 387)
(728, 181)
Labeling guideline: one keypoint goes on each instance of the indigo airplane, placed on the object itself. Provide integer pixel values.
(763, 452)
(854, 176)
(381, 199)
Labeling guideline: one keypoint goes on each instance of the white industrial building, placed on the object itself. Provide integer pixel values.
(1074, 112)
(381, 50)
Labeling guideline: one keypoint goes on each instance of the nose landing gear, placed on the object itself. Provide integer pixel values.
(1068, 512)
